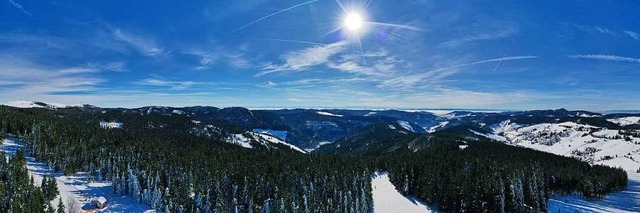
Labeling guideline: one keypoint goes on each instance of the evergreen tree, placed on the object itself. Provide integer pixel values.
(61, 208)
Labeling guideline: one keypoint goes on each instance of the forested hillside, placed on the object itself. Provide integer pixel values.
(159, 161)
(489, 176)
(185, 173)
(17, 190)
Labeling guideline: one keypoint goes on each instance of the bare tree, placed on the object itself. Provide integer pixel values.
(72, 205)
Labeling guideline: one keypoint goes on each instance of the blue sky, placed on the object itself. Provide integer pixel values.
(285, 53)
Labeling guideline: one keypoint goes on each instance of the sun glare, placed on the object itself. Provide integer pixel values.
(353, 22)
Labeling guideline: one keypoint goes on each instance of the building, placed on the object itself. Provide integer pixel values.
(110, 125)
(100, 202)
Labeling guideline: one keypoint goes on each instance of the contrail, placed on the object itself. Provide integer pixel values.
(272, 14)
(503, 55)
(396, 26)
(292, 41)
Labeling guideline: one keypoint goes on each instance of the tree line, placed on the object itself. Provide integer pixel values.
(172, 170)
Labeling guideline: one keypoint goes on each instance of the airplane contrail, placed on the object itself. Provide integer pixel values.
(272, 14)
(396, 26)
(503, 55)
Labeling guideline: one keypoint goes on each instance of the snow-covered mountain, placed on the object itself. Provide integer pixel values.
(596, 145)
(589, 143)
(625, 121)
(35, 104)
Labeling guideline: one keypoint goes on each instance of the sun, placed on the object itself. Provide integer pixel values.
(353, 22)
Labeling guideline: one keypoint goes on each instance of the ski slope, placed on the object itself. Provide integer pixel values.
(73, 187)
(386, 199)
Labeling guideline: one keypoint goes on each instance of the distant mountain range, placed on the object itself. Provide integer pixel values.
(310, 128)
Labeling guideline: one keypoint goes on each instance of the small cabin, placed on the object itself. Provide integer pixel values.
(100, 202)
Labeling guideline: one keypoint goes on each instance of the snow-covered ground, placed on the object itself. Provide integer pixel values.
(624, 121)
(437, 127)
(406, 125)
(595, 145)
(328, 114)
(309, 150)
(386, 199)
(589, 143)
(33, 104)
(274, 140)
(72, 188)
(620, 202)
(281, 134)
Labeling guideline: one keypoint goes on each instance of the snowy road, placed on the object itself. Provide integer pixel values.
(73, 187)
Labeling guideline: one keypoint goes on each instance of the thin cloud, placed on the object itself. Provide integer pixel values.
(306, 58)
(482, 36)
(597, 29)
(613, 58)
(408, 81)
(607, 31)
(379, 63)
(173, 85)
(144, 46)
(20, 7)
(632, 34)
(209, 58)
(30, 80)
(96, 67)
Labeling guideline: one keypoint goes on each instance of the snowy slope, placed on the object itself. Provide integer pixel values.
(271, 139)
(34, 104)
(386, 199)
(328, 114)
(281, 134)
(437, 127)
(73, 187)
(240, 140)
(589, 143)
(251, 139)
(406, 125)
(624, 201)
(625, 121)
(596, 145)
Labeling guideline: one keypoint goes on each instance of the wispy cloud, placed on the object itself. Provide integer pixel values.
(596, 29)
(209, 58)
(26, 79)
(434, 76)
(305, 58)
(608, 31)
(336, 57)
(500, 32)
(378, 63)
(311, 82)
(20, 7)
(632, 34)
(96, 67)
(614, 58)
(173, 85)
(143, 45)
